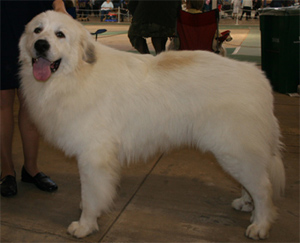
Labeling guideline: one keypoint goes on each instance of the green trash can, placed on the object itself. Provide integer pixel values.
(280, 42)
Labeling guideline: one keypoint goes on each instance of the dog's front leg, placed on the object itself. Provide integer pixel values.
(99, 175)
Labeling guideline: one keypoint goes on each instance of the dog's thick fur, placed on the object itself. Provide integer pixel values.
(108, 107)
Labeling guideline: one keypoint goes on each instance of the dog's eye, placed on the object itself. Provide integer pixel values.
(60, 34)
(37, 30)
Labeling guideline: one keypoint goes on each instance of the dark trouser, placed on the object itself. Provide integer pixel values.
(246, 10)
(103, 13)
(139, 43)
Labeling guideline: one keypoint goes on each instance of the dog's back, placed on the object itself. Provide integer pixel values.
(104, 113)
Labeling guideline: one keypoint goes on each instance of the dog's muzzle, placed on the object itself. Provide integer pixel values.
(42, 67)
(41, 47)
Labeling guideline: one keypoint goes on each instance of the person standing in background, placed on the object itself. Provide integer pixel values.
(14, 16)
(247, 7)
(236, 8)
(155, 19)
(257, 5)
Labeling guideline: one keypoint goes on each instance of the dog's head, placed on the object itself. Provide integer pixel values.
(54, 43)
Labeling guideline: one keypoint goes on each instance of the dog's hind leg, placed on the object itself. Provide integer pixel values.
(251, 172)
(244, 203)
(99, 175)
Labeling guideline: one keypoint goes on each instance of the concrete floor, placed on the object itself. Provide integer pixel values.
(183, 196)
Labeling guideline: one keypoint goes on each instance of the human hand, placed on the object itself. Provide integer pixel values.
(59, 6)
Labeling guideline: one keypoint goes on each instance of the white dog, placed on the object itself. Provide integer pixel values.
(107, 113)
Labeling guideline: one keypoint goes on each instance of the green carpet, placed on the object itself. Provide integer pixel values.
(250, 49)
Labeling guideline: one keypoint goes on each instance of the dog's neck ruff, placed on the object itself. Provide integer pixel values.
(42, 68)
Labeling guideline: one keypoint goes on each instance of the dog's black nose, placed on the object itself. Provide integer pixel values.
(41, 46)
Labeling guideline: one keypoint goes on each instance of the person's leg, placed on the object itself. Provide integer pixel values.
(141, 45)
(6, 134)
(30, 141)
(159, 44)
(242, 13)
(104, 14)
(30, 138)
(101, 15)
(248, 14)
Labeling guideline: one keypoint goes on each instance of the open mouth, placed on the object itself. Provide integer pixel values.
(43, 68)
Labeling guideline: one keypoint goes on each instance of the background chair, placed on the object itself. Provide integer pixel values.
(197, 31)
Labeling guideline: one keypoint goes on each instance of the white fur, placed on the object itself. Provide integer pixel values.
(108, 107)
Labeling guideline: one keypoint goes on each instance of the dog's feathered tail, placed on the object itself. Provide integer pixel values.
(277, 173)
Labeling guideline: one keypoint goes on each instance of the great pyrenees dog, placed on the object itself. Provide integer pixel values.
(109, 107)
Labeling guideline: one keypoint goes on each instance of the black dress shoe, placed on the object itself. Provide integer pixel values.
(8, 186)
(42, 181)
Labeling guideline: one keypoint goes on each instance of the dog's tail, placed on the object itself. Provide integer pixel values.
(277, 173)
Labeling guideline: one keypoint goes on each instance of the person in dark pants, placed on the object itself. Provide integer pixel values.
(155, 19)
(247, 7)
(106, 7)
(257, 5)
(124, 10)
(14, 16)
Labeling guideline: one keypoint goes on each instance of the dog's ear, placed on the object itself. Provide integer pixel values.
(22, 44)
(89, 54)
(23, 57)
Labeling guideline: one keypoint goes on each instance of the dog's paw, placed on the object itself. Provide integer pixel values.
(257, 232)
(241, 205)
(81, 230)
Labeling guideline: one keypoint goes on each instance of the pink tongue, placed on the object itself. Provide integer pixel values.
(41, 69)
